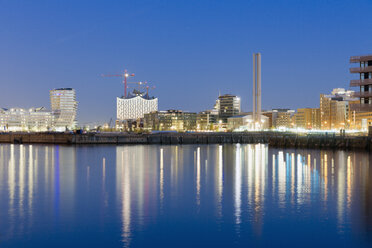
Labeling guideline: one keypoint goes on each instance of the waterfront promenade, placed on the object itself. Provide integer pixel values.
(273, 139)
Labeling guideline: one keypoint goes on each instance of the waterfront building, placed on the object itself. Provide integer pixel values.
(228, 106)
(61, 117)
(19, 119)
(282, 118)
(135, 105)
(246, 122)
(207, 120)
(335, 109)
(129, 125)
(307, 118)
(64, 108)
(361, 110)
(170, 120)
(360, 120)
(363, 82)
(269, 114)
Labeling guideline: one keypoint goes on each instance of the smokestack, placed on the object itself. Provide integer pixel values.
(257, 90)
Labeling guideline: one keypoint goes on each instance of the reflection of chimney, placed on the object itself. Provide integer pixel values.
(257, 89)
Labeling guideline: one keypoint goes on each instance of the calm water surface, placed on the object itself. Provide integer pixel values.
(183, 196)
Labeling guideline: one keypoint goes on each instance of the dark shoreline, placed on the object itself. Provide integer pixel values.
(273, 139)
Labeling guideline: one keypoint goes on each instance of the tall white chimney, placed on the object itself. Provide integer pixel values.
(257, 90)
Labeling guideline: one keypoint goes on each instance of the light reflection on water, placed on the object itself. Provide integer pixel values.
(216, 195)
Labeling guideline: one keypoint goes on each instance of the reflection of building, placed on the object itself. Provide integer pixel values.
(135, 105)
(308, 118)
(282, 118)
(206, 120)
(170, 120)
(246, 122)
(18, 119)
(64, 108)
(364, 83)
(334, 109)
(228, 106)
(137, 187)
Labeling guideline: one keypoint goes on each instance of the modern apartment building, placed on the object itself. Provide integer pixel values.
(269, 114)
(363, 82)
(335, 109)
(64, 108)
(19, 119)
(228, 106)
(282, 118)
(170, 120)
(206, 120)
(307, 118)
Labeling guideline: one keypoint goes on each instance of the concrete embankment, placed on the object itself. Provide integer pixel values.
(274, 139)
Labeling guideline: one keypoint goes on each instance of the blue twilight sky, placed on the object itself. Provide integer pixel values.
(190, 50)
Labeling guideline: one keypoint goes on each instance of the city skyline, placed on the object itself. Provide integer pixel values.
(186, 51)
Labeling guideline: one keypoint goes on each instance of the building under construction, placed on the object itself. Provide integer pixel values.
(135, 104)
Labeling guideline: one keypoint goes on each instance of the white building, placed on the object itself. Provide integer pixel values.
(62, 116)
(135, 106)
(64, 108)
(18, 119)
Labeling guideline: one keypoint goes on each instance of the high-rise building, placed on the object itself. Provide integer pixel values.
(135, 106)
(228, 106)
(334, 109)
(363, 82)
(64, 108)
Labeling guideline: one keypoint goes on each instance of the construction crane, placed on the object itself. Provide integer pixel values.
(147, 89)
(124, 76)
(139, 84)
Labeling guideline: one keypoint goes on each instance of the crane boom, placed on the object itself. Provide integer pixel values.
(124, 76)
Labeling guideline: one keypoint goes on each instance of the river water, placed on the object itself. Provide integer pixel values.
(183, 196)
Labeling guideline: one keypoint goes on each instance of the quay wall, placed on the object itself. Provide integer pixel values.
(273, 139)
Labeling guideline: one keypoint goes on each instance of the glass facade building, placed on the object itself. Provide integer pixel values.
(228, 106)
(64, 108)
